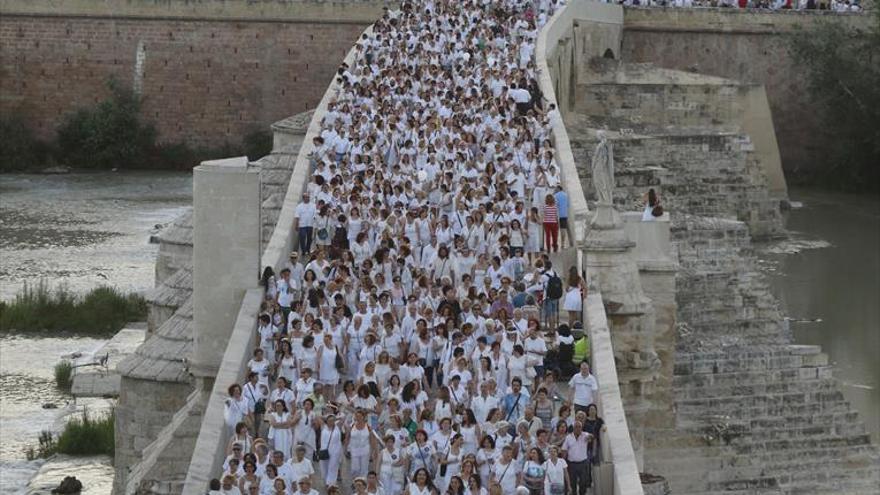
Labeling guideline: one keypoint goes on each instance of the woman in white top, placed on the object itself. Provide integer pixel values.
(237, 410)
(517, 364)
(328, 375)
(392, 470)
(533, 236)
(308, 358)
(279, 429)
(652, 200)
(470, 432)
(421, 484)
(574, 297)
(287, 363)
(451, 457)
(331, 442)
(556, 473)
(304, 427)
(359, 443)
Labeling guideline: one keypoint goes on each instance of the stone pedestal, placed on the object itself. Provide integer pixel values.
(611, 267)
(226, 255)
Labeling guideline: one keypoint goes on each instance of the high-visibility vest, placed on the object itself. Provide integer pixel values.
(581, 350)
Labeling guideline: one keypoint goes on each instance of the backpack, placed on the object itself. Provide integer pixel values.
(554, 286)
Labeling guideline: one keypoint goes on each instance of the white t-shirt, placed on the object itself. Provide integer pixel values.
(306, 212)
(584, 388)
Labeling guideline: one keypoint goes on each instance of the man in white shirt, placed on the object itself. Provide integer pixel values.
(583, 387)
(303, 221)
(483, 403)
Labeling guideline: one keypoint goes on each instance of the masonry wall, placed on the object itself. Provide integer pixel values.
(750, 46)
(208, 74)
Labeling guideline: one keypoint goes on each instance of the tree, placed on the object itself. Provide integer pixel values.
(109, 135)
(842, 69)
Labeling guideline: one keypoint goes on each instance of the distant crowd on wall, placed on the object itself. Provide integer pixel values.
(832, 5)
(416, 340)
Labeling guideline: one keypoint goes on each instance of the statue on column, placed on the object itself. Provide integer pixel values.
(603, 171)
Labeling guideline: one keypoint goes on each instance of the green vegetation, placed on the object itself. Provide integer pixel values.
(82, 436)
(64, 375)
(102, 311)
(842, 70)
(111, 134)
(88, 436)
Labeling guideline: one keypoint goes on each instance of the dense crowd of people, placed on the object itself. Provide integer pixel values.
(832, 5)
(413, 343)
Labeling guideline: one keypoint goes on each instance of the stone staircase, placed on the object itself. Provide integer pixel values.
(753, 414)
(765, 420)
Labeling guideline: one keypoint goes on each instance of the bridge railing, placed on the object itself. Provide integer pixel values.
(210, 449)
(554, 45)
(619, 459)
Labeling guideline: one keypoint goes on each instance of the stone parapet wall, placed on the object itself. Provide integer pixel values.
(206, 79)
(746, 45)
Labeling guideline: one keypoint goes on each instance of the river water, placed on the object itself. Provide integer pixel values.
(81, 230)
(827, 278)
(89, 229)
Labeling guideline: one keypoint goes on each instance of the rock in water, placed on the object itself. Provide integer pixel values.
(50, 405)
(69, 485)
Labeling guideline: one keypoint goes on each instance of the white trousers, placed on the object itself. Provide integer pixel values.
(330, 468)
(360, 465)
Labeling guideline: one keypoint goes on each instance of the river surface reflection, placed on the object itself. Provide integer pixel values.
(85, 230)
(81, 230)
(827, 278)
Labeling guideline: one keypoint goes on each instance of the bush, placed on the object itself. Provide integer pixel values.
(842, 70)
(257, 144)
(109, 135)
(64, 375)
(88, 436)
(19, 149)
(102, 311)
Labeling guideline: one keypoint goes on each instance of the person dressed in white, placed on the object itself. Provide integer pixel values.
(330, 450)
(359, 443)
(392, 470)
(298, 467)
(279, 428)
(556, 479)
(504, 471)
(583, 387)
(328, 374)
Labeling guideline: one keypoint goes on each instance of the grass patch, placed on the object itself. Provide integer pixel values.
(82, 436)
(64, 375)
(102, 311)
(88, 436)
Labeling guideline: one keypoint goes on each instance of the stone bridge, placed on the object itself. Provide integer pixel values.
(643, 366)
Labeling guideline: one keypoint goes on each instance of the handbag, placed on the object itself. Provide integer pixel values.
(324, 454)
(340, 364)
(557, 488)
(259, 405)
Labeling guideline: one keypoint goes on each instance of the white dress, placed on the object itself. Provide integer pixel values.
(573, 299)
(533, 242)
(288, 370)
(647, 214)
(328, 375)
(282, 438)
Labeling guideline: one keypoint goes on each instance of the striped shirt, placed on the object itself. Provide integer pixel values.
(551, 214)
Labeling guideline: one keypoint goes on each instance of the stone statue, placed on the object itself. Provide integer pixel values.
(603, 171)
